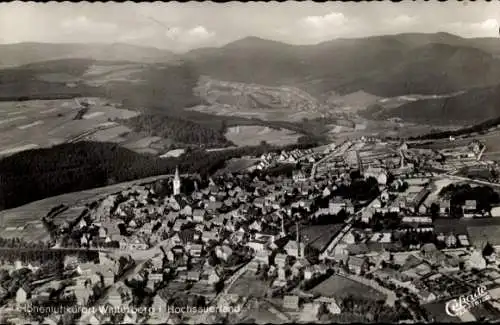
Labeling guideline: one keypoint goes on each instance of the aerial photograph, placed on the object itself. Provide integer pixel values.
(249, 163)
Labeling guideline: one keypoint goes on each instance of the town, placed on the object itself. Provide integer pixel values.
(364, 230)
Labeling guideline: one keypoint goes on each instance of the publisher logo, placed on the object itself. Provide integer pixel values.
(464, 303)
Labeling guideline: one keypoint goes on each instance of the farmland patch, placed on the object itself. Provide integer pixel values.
(253, 135)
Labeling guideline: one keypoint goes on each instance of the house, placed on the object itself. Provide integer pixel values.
(339, 204)
(130, 317)
(198, 215)
(223, 252)
(489, 253)
(258, 244)
(187, 211)
(331, 304)
(311, 312)
(193, 276)
(253, 266)
(263, 257)
(309, 273)
(444, 207)
(282, 274)
(53, 319)
(357, 265)
(82, 295)
(426, 296)
(476, 261)
(107, 277)
(291, 302)
(195, 250)
(115, 298)
(210, 276)
(179, 224)
(213, 206)
(157, 263)
(281, 260)
(70, 262)
(159, 304)
(469, 208)
(349, 238)
(209, 235)
(313, 270)
(292, 249)
(256, 225)
(376, 204)
(417, 271)
(102, 232)
(21, 296)
(299, 265)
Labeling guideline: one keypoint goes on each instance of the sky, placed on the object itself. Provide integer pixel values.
(183, 26)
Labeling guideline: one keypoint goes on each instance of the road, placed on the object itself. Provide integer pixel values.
(335, 153)
(330, 248)
(228, 283)
(472, 180)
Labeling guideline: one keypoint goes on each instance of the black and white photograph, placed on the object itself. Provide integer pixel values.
(249, 162)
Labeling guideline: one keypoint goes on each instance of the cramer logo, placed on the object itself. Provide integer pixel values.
(462, 304)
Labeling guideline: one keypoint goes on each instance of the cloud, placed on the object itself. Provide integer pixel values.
(200, 32)
(333, 19)
(402, 20)
(174, 38)
(85, 25)
(198, 35)
(486, 25)
(138, 34)
(321, 28)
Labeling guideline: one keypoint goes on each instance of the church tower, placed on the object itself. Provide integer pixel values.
(297, 230)
(283, 231)
(177, 182)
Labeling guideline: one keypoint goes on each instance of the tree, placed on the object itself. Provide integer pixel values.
(219, 286)
(434, 209)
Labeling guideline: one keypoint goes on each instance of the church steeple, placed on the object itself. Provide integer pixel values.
(177, 182)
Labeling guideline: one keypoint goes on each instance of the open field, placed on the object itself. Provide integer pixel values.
(320, 236)
(253, 135)
(42, 123)
(261, 114)
(249, 286)
(142, 143)
(438, 311)
(25, 221)
(257, 311)
(340, 287)
(238, 164)
(173, 153)
(98, 75)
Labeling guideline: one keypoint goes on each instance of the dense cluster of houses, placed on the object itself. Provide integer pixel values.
(255, 223)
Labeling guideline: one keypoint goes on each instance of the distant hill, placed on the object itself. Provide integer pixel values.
(472, 107)
(26, 53)
(382, 66)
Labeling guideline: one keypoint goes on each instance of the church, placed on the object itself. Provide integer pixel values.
(177, 183)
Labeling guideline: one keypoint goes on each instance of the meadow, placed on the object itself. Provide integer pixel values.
(340, 287)
(252, 135)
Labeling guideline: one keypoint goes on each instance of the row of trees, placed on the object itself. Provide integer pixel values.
(485, 196)
(480, 128)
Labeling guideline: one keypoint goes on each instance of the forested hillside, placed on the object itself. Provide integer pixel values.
(36, 174)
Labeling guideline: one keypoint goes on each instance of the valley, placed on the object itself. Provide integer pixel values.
(222, 103)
